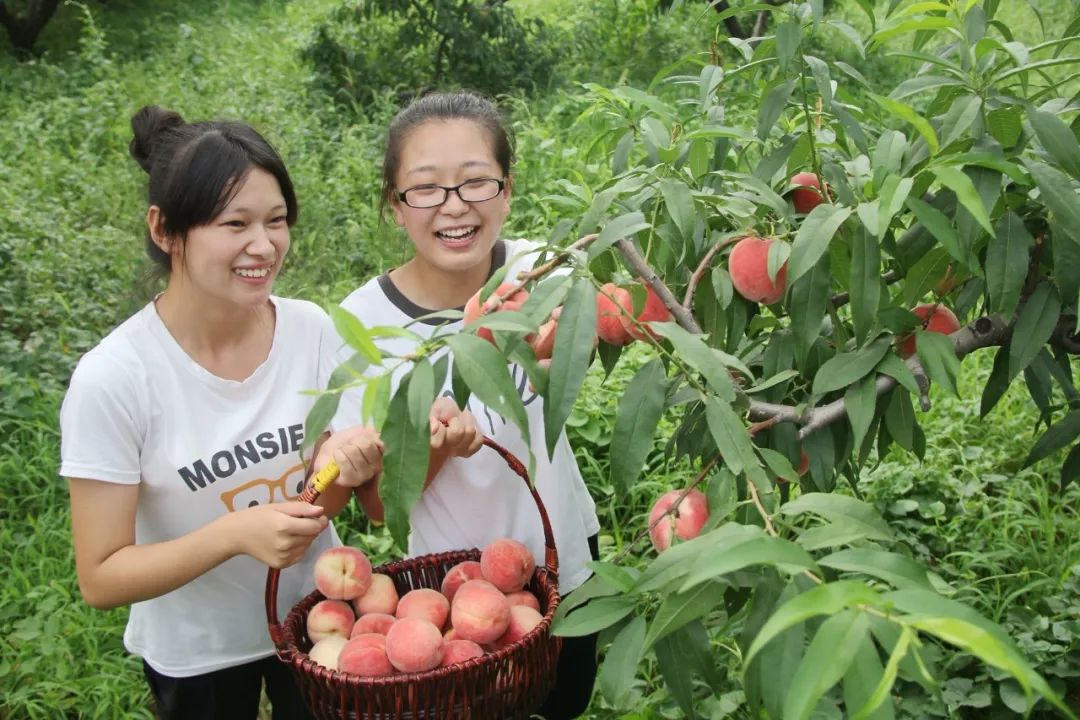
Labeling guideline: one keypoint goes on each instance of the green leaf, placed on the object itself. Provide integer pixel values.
(938, 357)
(863, 680)
(783, 554)
(924, 274)
(594, 616)
(680, 608)
(900, 571)
(1005, 125)
(1058, 139)
(1036, 322)
(897, 369)
(326, 405)
(1007, 263)
(1057, 192)
(900, 419)
(404, 463)
(894, 191)
(636, 417)
(616, 675)
(730, 435)
(772, 107)
(865, 284)
(421, 393)
(621, 227)
(827, 659)
(812, 240)
(843, 369)
(860, 400)
(484, 369)
(711, 363)
(909, 115)
(353, 332)
(679, 201)
(961, 184)
(679, 657)
(827, 599)
(808, 299)
(938, 225)
(841, 509)
(677, 560)
(788, 36)
(959, 117)
(574, 337)
(1057, 436)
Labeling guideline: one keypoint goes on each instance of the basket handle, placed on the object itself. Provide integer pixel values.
(329, 472)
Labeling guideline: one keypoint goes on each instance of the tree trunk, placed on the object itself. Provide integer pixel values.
(23, 31)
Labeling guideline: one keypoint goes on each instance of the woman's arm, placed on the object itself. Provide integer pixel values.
(114, 571)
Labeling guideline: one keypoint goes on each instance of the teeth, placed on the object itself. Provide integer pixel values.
(457, 233)
(252, 272)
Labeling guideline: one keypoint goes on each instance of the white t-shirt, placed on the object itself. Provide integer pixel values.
(475, 500)
(140, 411)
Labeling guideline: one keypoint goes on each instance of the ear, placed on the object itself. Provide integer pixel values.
(155, 221)
(399, 215)
(508, 190)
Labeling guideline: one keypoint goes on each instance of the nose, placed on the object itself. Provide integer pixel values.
(260, 245)
(454, 205)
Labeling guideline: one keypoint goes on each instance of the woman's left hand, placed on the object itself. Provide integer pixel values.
(454, 432)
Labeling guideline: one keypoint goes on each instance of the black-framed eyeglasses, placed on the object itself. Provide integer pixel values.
(470, 191)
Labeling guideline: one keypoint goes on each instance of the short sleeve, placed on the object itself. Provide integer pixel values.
(102, 423)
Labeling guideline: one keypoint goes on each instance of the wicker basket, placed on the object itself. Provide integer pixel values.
(508, 683)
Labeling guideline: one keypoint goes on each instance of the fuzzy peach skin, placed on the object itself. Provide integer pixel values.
(366, 658)
(748, 266)
(380, 597)
(414, 645)
(342, 573)
(425, 603)
(609, 323)
(654, 310)
(687, 522)
(326, 651)
(373, 623)
(480, 612)
(522, 620)
(936, 318)
(473, 310)
(507, 564)
(329, 617)
(523, 597)
(455, 651)
(458, 575)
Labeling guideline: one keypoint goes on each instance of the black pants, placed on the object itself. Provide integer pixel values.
(229, 694)
(576, 672)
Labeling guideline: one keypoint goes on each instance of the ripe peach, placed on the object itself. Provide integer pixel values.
(807, 194)
(414, 645)
(458, 575)
(372, 623)
(523, 597)
(748, 265)
(480, 612)
(329, 617)
(654, 310)
(425, 603)
(543, 342)
(365, 656)
(507, 564)
(326, 651)
(609, 318)
(455, 651)
(935, 318)
(687, 522)
(522, 620)
(380, 597)
(450, 634)
(473, 310)
(342, 573)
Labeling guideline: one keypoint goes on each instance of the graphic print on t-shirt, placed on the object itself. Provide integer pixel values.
(223, 463)
(262, 491)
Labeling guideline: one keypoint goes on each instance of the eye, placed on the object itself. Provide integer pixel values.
(280, 219)
(234, 223)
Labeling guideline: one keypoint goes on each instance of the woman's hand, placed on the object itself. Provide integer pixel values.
(277, 534)
(454, 432)
(358, 451)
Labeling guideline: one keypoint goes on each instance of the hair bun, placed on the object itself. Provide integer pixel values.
(147, 125)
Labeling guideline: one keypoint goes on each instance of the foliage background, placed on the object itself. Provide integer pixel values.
(72, 267)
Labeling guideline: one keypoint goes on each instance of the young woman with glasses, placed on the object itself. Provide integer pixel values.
(181, 430)
(447, 182)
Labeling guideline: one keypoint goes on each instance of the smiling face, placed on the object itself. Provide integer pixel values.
(456, 237)
(235, 257)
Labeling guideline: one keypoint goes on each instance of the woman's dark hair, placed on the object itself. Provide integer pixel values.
(441, 106)
(196, 169)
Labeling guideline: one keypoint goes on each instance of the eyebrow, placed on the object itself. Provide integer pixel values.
(465, 165)
(242, 209)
